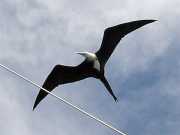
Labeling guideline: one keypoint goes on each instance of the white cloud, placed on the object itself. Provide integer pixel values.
(143, 71)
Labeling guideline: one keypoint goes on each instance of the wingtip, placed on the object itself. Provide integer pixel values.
(35, 104)
(33, 108)
(154, 20)
(149, 20)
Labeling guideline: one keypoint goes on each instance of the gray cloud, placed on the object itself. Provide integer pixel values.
(143, 71)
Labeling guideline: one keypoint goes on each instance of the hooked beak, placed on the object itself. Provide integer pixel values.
(81, 53)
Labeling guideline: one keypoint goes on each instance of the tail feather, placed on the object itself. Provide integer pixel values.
(108, 87)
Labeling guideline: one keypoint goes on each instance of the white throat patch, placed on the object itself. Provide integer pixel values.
(91, 57)
(97, 65)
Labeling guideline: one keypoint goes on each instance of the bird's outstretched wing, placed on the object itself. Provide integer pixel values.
(113, 35)
(59, 75)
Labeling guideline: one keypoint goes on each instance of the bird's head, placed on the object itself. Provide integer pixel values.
(89, 56)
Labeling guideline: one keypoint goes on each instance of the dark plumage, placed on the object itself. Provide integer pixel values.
(67, 74)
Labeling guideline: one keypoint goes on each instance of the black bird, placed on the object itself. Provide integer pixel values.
(94, 63)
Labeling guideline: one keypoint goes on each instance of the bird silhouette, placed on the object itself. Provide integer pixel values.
(94, 63)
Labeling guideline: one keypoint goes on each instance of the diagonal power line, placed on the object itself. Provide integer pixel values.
(64, 101)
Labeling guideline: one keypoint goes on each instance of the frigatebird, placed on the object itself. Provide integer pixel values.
(94, 63)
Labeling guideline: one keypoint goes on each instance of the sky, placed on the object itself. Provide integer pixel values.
(144, 70)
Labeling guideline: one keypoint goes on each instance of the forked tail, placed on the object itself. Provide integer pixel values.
(108, 87)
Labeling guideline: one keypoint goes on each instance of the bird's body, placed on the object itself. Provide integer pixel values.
(94, 63)
(91, 58)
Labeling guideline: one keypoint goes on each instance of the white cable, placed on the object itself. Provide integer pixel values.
(64, 101)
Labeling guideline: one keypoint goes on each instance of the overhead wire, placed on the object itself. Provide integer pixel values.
(64, 101)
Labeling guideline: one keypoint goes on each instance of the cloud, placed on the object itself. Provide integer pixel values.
(143, 71)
